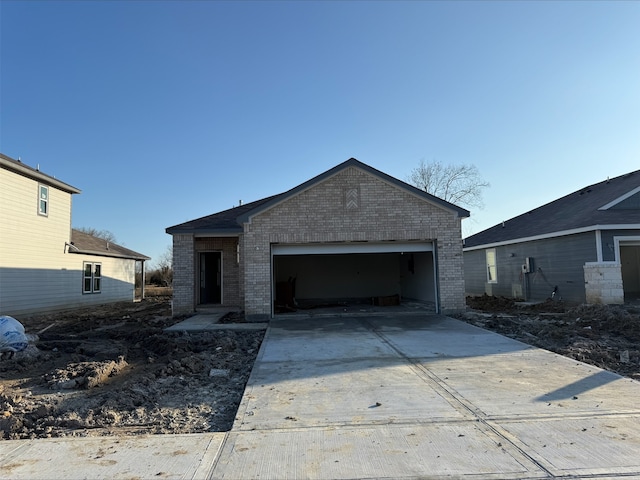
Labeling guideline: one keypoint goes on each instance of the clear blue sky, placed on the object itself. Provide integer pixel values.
(162, 112)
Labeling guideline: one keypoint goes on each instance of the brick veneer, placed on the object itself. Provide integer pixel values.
(231, 290)
(350, 206)
(183, 274)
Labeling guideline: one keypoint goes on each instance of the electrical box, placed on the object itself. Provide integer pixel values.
(527, 266)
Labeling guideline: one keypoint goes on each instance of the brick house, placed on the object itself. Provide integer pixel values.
(350, 234)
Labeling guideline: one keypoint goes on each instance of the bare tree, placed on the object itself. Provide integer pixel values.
(103, 234)
(162, 270)
(458, 184)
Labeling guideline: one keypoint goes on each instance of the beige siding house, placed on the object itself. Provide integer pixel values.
(351, 234)
(44, 264)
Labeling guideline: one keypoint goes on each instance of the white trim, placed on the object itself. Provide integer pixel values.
(620, 199)
(92, 278)
(630, 241)
(494, 265)
(599, 258)
(561, 233)
(46, 198)
(349, 247)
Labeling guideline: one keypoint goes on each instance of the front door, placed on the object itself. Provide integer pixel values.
(211, 277)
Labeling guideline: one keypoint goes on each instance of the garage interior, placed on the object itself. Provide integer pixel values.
(630, 263)
(353, 276)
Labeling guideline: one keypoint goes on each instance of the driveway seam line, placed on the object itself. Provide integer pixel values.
(480, 418)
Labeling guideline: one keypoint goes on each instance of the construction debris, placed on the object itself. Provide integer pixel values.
(607, 336)
(113, 370)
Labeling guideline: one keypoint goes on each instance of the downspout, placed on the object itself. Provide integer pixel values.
(70, 246)
(142, 280)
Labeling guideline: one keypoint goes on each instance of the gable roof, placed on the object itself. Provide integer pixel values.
(613, 203)
(89, 245)
(20, 168)
(231, 221)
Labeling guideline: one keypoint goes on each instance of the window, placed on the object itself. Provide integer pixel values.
(92, 278)
(492, 268)
(43, 200)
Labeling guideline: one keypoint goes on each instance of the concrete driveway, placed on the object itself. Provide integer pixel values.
(418, 396)
(425, 396)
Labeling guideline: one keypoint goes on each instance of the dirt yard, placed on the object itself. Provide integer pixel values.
(112, 370)
(601, 335)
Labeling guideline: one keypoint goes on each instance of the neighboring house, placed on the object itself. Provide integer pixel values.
(584, 247)
(44, 264)
(351, 233)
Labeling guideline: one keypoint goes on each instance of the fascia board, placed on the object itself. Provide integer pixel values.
(620, 199)
(561, 233)
(29, 172)
(109, 255)
(198, 232)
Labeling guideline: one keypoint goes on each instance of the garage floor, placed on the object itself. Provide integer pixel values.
(407, 307)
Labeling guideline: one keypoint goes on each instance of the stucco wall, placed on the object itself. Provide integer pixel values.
(351, 206)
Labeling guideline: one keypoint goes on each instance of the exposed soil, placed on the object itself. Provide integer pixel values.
(113, 370)
(607, 336)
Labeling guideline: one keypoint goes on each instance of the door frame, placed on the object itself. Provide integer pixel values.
(428, 246)
(201, 255)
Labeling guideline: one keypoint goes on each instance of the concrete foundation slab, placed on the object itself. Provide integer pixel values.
(156, 456)
(414, 451)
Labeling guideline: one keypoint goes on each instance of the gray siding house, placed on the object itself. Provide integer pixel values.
(350, 234)
(583, 248)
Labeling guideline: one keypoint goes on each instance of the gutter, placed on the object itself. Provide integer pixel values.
(560, 233)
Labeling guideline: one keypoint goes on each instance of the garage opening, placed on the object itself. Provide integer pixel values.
(630, 263)
(310, 277)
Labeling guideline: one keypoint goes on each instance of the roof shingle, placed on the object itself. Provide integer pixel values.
(230, 221)
(90, 245)
(578, 210)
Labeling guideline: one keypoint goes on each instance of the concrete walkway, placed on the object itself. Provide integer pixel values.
(377, 397)
(209, 320)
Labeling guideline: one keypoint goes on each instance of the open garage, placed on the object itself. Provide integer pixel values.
(315, 276)
(351, 235)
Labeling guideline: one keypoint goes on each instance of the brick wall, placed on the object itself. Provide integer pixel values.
(231, 295)
(183, 275)
(347, 207)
